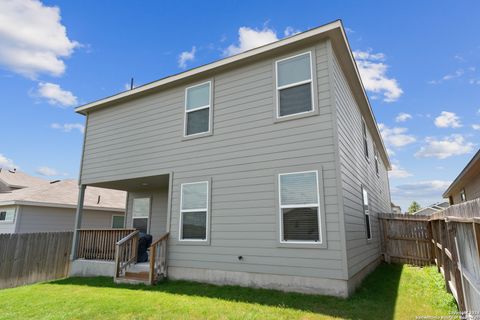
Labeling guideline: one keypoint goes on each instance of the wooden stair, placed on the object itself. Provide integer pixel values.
(134, 278)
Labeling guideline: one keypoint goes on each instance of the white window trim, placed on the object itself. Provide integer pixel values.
(207, 220)
(149, 211)
(367, 213)
(377, 163)
(310, 205)
(9, 221)
(120, 215)
(365, 140)
(277, 88)
(185, 135)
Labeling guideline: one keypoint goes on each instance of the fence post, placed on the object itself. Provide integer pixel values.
(385, 240)
(432, 242)
(455, 268)
(445, 263)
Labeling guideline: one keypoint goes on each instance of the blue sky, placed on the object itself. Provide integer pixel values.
(420, 62)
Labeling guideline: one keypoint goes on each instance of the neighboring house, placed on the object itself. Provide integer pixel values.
(51, 207)
(13, 179)
(436, 207)
(396, 209)
(266, 168)
(466, 185)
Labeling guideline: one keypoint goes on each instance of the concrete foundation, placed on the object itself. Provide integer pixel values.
(309, 285)
(92, 268)
(356, 280)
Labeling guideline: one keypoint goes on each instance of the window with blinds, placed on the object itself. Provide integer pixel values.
(299, 207)
(194, 211)
(197, 109)
(294, 85)
(365, 139)
(366, 212)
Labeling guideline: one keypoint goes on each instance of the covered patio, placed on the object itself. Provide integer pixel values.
(115, 251)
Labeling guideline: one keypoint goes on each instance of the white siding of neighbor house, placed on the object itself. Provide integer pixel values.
(355, 172)
(248, 148)
(5, 226)
(158, 214)
(48, 219)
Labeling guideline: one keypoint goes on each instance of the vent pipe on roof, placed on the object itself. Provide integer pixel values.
(131, 84)
(13, 171)
(54, 181)
(98, 200)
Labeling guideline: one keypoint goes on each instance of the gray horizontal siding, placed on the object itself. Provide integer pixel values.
(48, 219)
(356, 171)
(143, 137)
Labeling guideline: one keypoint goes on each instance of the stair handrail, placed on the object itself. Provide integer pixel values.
(125, 253)
(158, 259)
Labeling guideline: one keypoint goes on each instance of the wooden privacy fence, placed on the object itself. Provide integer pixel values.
(32, 257)
(450, 239)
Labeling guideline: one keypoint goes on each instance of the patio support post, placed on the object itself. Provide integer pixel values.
(78, 220)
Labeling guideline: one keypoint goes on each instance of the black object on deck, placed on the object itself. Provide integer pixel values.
(144, 242)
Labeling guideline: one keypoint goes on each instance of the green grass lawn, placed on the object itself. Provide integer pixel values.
(391, 292)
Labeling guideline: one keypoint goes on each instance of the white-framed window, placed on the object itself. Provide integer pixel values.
(463, 195)
(194, 209)
(294, 85)
(141, 214)
(375, 156)
(118, 221)
(366, 212)
(299, 203)
(7, 215)
(198, 102)
(365, 139)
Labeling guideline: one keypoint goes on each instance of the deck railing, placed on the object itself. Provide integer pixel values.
(158, 259)
(99, 244)
(126, 253)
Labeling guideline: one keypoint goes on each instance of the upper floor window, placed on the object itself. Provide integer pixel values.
(194, 211)
(366, 212)
(198, 102)
(294, 85)
(365, 139)
(375, 156)
(463, 196)
(299, 207)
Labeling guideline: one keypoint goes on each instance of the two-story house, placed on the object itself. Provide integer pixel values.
(262, 169)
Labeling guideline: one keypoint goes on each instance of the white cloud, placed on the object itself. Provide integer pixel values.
(185, 57)
(290, 31)
(373, 73)
(68, 127)
(476, 126)
(7, 163)
(452, 145)
(402, 117)
(56, 95)
(447, 120)
(426, 192)
(33, 38)
(48, 172)
(398, 172)
(396, 137)
(249, 38)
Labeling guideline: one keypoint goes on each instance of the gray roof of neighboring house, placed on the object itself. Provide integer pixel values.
(65, 194)
(432, 209)
(19, 179)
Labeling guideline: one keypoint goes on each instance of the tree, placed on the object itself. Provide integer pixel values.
(414, 207)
